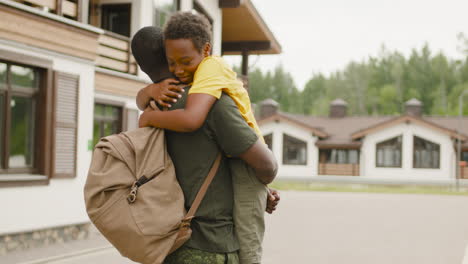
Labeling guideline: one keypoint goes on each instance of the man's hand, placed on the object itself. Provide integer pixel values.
(144, 120)
(272, 200)
(165, 92)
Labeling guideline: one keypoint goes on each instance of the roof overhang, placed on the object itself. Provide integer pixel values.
(408, 119)
(244, 30)
(281, 118)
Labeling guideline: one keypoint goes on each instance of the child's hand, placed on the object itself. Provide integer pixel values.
(165, 92)
(272, 200)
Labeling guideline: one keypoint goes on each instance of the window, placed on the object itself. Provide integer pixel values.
(116, 18)
(269, 141)
(107, 121)
(164, 9)
(389, 153)
(426, 154)
(464, 156)
(294, 151)
(339, 156)
(19, 112)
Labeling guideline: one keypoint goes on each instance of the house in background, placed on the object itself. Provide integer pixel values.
(407, 147)
(67, 78)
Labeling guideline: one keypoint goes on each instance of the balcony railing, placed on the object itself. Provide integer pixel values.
(113, 50)
(60, 7)
(114, 53)
(339, 169)
(464, 172)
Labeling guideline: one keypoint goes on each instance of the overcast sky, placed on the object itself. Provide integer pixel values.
(324, 36)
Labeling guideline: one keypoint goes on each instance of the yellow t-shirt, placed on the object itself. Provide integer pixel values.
(214, 76)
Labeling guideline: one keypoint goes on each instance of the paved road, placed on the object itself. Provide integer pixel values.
(355, 228)
(359, 228)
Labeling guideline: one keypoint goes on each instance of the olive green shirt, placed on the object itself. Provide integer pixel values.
(193, 155)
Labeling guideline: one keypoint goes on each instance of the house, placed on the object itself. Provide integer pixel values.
(407, 147)
(67, 78)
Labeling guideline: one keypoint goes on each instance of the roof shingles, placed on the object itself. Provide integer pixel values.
(341, 129)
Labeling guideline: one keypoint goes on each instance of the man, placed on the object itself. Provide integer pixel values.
(213, 239)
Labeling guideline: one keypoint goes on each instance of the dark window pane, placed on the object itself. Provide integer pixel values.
(353, 156)
(98, 110)
(269, 141)
(341, 156)
(112, 112)
(107, 121)
(324, 156)
(388, 153)
(116, 18)
(96, 132)
(464, 156)
(425, 154)
(294, 151)
(107, 129)
(3, 75)
(22, 132)
(23, 77)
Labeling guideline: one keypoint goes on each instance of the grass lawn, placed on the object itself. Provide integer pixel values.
(367, 188)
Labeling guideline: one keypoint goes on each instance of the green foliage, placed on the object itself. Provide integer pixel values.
(379, 85)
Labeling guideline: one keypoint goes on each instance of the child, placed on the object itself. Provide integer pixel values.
(187, 41)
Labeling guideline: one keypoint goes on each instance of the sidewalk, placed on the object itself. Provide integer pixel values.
(94, 249)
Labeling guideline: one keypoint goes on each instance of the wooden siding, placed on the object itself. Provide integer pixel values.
(464, 172)
(67, 7)
(45, 33)
(114, 53)
(117, 85)
(339, 169)
(66, 118)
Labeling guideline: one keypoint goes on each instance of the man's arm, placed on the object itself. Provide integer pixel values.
(262, 160)
(188, 119)
(237, 139)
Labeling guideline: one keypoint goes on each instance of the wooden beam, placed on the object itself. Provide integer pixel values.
(59, 9)
(245, 63)
(246, 45)
(229, 3)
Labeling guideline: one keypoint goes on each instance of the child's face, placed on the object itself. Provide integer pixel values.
(183, 58)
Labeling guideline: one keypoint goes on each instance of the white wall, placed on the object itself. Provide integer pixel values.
(292, 171)
(447, 153)
(61, 202)
(128, 102)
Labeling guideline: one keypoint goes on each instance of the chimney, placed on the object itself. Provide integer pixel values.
(338, 108)
(413, 107)
(268, 107)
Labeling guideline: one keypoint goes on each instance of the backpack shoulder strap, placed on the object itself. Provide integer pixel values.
(201, 193)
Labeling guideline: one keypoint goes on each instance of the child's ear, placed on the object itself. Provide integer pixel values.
(207, 49)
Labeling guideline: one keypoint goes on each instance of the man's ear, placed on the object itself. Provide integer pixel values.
(206, 49)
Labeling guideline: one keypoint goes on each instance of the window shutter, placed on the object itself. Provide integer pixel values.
(131, 118)
(65, 124)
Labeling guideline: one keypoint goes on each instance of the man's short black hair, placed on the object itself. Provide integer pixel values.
(187, 25)
(148, 50)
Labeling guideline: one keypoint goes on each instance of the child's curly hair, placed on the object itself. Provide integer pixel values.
(187, 25)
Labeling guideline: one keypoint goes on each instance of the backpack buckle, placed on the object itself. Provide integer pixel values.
(131, 198)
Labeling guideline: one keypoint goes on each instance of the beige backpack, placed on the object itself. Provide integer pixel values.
(133, 198)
